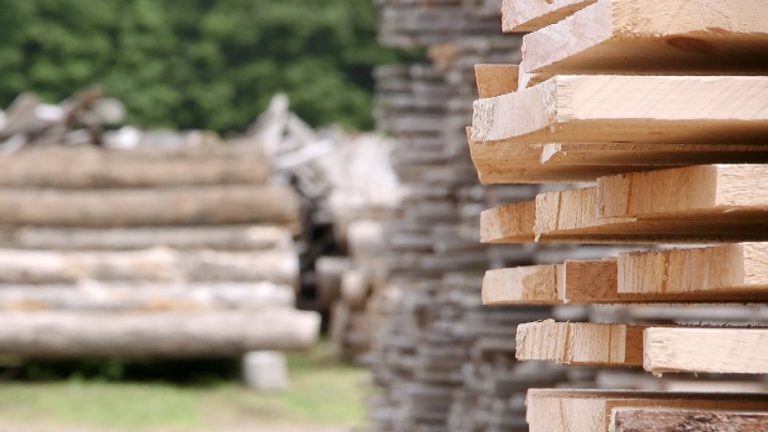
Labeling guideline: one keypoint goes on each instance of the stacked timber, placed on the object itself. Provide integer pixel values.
(440, 359)
(147, 253)
(660, 107)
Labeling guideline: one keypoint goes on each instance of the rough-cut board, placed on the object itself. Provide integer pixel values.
(674, 420)
(690, 191)
(495, 79)
(739, 269)
(628, 109)
(583, 344)
(149, 206)
(572, 216)
(529, 15)
(660, 37)
(716, 350)
(592, 411)
(148, 335)
(508, 163)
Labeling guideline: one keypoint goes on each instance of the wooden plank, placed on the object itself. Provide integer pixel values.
(495, 79)
(529, 15)
(581, 344)
(508, 223)
(733, 270)
(591, 410)
(522, 285)
(690, 191)
(715, 350)
(670, 420)
(628, 109)
(663, 37)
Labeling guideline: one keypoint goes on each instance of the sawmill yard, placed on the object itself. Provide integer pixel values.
(324, 396)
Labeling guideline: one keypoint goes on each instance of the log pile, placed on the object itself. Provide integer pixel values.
(661, 107)
(164, 252)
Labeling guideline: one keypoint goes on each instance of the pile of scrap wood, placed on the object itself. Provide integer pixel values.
(182, 250)
(661, 106)
(442, 361)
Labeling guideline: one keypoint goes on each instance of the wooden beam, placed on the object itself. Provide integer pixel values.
(522, 285)
(628, 109)
(582, 344)
(736, 271)
(592, 411)
(495, 79)
(687, 192)
(529, 15)
(667, 37)
(508, 223)
(668, 420)
(700, 350)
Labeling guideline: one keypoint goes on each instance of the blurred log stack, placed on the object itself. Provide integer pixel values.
(662, 106)
(157, 251)
(442, 361)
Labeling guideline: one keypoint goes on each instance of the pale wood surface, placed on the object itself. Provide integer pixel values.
(529, 15)
(495, 79)
(522, 285)
(508, 223)
(591, 410)
(671, 420)
(632, 109)
(663, 37)
(715, 350)
(585, 344)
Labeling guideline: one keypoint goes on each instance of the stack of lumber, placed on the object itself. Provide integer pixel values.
(147, 253)
(440, 359)
(660, 106)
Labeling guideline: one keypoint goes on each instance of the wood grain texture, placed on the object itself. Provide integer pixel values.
(522, 285)
(508, 223)
(628, 109)
(495, 79)
(529, 15)
(674, 420)
(715, 350)
(583, 344)
(663, 37)
(592, 410)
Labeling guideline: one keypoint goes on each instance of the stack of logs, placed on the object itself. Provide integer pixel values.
(442, 361)
(663, 106)
(147, 253)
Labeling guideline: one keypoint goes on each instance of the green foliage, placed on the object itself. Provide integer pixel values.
(197, 63)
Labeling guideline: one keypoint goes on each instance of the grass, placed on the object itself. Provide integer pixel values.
(322, 392)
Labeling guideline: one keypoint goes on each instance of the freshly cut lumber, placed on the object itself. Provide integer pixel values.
(716, 350)
(670, 420)
(713, 271)
(662, 37)
(166, 334)
(529, 15)
(509, 163)
(97, 296)
(537, 284)
(92, 167)
(152, 265)
(688, 191)
(495, 79)
(137, 207)
(584, 344)
(245, 237)
(592, 410)
(628, 109)
(572, 216)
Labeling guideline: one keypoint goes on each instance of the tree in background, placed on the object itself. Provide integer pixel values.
(197, 63)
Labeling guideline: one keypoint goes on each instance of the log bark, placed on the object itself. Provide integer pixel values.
(90, 167)
(152, 265)
(204, 205)
(96, 296)
(159, 335)
(246, 237)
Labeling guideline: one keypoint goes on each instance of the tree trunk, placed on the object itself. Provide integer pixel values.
(204, 205)
(245, 237)
(167, 335)
(89, 167)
